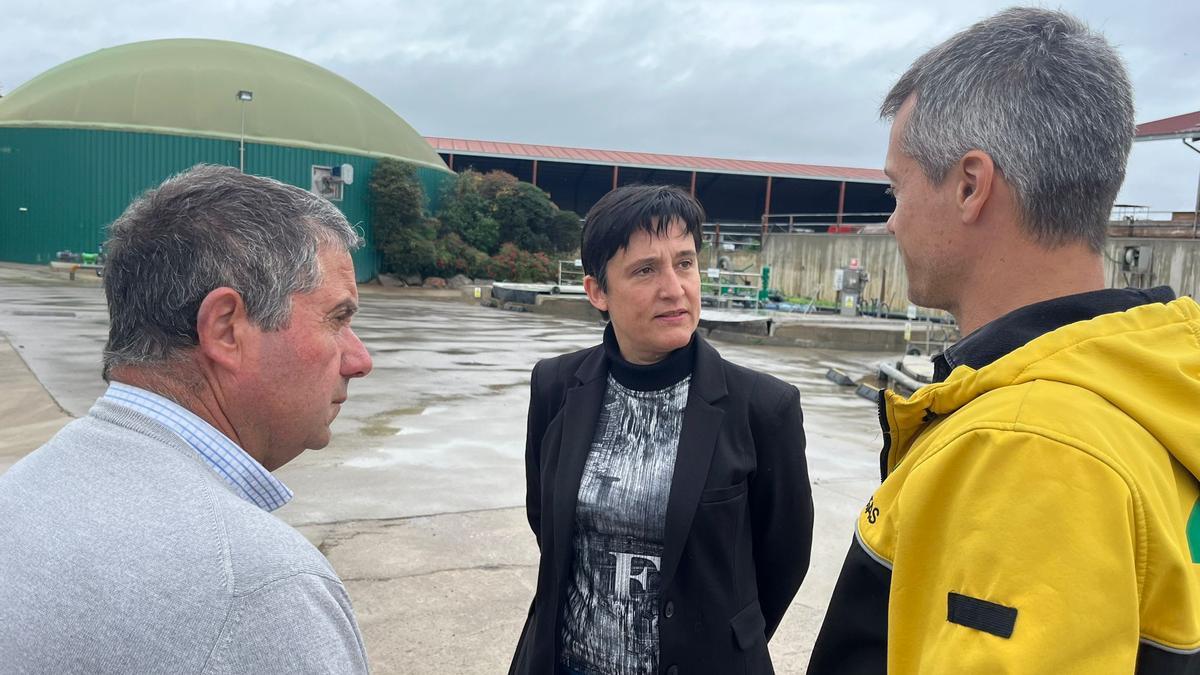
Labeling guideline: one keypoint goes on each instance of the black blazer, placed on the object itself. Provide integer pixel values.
(739, 516)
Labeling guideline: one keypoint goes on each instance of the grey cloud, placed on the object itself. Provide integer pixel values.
(774, 80)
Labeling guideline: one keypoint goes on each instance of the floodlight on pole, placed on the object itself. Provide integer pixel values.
(243, 96)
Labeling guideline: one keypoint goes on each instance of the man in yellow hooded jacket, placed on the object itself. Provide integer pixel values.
(1039, 511)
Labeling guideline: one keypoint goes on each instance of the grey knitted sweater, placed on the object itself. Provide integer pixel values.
(122, 552)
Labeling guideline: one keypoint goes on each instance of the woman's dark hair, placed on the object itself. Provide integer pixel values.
(618, 214)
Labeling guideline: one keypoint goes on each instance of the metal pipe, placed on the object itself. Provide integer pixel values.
(831, 213)
(242, 141)
(244, 96)
(882, 293)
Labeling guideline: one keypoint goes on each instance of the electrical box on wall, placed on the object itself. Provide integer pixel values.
(1136, 259)
(325, 184)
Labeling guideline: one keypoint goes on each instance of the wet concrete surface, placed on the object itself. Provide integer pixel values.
(438, 428)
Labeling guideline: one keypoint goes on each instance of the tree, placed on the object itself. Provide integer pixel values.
(466, 211)
(524, 212)
(402, 234)
(488, 225)
(514, 264)
(564, 231)
(397, 196)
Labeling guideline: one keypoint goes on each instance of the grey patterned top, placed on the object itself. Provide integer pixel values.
(610, 617)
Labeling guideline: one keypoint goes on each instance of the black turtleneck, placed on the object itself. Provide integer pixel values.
(655, 376)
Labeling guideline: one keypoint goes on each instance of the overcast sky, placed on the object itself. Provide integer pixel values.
(791, 81)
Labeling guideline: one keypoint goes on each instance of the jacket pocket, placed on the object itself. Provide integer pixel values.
(723, 494)
(749, 626)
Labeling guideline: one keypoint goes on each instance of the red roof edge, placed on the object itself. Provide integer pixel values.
(655, 160)
(1179, 126)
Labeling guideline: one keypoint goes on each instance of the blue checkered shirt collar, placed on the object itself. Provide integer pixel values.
(245, 476)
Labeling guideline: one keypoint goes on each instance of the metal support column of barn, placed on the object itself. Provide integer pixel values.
(693, 183)
(716, 245)
(451, 162)
(615, 170)
(841, 205)
(534, 181)
(1196, 215)
(762, 242)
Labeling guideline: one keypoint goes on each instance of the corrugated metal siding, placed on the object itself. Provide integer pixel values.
(74, 182)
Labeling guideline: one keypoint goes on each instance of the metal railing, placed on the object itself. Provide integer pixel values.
(570, 273)
(832, 223)
(724, 288)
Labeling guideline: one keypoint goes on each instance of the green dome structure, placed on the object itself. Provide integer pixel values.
(103, 127)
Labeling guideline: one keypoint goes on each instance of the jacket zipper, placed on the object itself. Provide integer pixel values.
(887, 436)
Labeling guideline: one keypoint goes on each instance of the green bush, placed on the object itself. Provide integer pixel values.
(489, 225)
(491, 209)
(514, 264)
(403, 235)
(525, 213)
(453, 256)
(467, 212)
(396, 193)
(410, 251)
(565, 229)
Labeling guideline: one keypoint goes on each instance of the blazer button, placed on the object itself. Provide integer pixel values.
(673, 670)
(669, 611)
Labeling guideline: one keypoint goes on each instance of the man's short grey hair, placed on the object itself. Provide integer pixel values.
(1047, 99)
(205, 228)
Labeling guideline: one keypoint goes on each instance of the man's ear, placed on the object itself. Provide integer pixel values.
(595, 294)
(976, 175)
(221, 327)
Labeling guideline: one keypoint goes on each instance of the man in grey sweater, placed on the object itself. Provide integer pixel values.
(140, 538)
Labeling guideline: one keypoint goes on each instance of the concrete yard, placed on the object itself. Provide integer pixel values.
(418, 501)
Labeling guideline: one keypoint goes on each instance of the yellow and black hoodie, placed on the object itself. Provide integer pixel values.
(1039, 512)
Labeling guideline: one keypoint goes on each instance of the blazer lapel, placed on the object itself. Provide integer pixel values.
(580, 411)
(697, 440)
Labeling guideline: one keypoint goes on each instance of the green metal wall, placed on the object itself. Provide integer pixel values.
(72, 183)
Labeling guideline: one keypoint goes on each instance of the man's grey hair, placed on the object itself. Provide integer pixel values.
(1047, 99)
(205, 228)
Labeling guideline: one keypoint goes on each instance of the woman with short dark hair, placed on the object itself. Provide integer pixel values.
(667, 488)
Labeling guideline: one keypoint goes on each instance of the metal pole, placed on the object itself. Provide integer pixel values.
(1196, 215)
(714, 262)
(242, 142)
(882, 294)
(534, 173)
(767, 201)
(841, 204)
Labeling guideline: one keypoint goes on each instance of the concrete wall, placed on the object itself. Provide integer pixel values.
(739, 259)
(1174, 263)
(804, 264)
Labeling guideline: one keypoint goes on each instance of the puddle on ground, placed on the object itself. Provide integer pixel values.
(380, 424)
